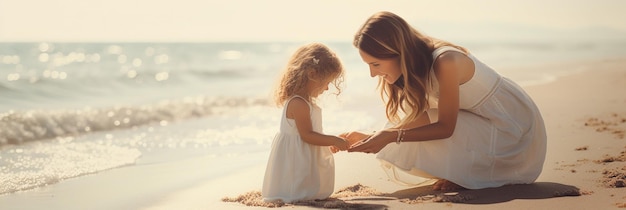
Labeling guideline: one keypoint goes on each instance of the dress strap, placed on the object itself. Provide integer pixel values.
(440, 51)
(443, 49)
(296, 96)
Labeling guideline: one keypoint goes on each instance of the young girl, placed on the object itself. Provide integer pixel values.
(301, 164)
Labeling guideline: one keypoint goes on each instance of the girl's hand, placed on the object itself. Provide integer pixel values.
(354, 137)
(334, 149)
(340, 145)
(374, 143)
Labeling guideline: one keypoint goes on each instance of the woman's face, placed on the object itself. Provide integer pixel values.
(388, 69)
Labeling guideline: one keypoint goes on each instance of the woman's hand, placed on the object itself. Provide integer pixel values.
(354, 137)
(374, 143)
(351, 138)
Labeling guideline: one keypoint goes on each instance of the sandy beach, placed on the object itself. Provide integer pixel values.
(585, 116)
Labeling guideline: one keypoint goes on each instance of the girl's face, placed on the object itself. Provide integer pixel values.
(317, 87)
(388, 69)
(320, 88)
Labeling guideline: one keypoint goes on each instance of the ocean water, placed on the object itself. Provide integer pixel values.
(72, 109)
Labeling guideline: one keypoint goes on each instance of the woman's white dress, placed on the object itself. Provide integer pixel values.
(297, 170)
(499, 139)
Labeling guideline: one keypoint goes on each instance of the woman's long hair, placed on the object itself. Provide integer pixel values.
(386, 35)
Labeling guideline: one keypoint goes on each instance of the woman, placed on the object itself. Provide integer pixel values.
(454, 118)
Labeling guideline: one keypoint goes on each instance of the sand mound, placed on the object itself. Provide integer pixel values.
(614, 124)
(254, 198)
(356, 190)
(452, 197)
(614, 178)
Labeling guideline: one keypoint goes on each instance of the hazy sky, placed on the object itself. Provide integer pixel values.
(276, 20)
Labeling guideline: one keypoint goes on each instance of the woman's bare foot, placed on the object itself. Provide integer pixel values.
(446, 185)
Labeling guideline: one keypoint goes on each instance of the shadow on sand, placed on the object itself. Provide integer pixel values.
(358, 196)
(538, 190)
(334, 203)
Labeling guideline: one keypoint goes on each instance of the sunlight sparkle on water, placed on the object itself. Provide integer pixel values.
(137, 62)
(161, 59)
(44, 57)
(131, 74)
(44, 47)
(30, 166)
(114, 49)
(13, 77)
(10, 59)
(54, 74)
(230, 55)
(161, 76)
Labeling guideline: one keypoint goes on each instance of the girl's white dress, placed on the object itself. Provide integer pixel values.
(297, 170)
(499, 139)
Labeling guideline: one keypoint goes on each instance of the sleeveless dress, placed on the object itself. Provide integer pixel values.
(499, 139)
(297, 170)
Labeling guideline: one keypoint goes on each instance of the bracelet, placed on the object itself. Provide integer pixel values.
(400, 136)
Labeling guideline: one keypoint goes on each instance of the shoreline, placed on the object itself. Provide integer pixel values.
(582, 113)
